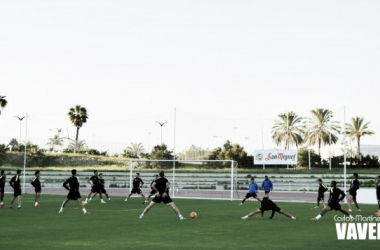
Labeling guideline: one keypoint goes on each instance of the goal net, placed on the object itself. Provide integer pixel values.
(202, 179)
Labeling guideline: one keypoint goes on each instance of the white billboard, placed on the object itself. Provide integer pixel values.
(275, 157)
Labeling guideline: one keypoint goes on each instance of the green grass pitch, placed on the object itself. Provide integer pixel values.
(116, 225)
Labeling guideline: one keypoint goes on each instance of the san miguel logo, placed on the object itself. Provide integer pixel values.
(281, 157)
(367, 229)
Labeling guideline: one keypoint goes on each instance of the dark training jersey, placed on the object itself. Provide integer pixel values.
(336, 195)
(136, 182)
(378, 188)
(322, 188)
(15, 182)
(2, 181)
(151, 184)
(95, 180)
(73, 184)
(355, 185)
(36, 183)
(161, 185)
(101, 182)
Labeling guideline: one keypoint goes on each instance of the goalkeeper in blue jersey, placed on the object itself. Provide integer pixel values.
(252, 192)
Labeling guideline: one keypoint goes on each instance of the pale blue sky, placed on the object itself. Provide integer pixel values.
(222, 64)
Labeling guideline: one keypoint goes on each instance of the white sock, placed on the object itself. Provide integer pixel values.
(36, 203)
(86, 200)
(318, 216)
(84, 210)
(126, 199)
(109, 199)
(101, 200)
(142, 215)
(19, 206)
(61, 209)
(89, 199)
(3, 204)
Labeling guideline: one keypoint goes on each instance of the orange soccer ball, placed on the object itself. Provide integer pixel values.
(193, 215)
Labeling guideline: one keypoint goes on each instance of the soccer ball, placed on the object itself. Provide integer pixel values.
(193, 215)
(249, 199)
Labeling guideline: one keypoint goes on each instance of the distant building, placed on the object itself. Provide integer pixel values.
(370, 150)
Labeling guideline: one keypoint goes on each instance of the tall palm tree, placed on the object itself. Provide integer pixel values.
(55, 141)
(357, 128)
(3, 103)
(78, 116)
(288, 130)
(319, 128)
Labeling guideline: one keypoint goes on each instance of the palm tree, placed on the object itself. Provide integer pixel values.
(79, 145)
(136, 149)
(288, 130)
(55, 141)
(357, 129)
(320, 127)
(78, 116)
(3, 102)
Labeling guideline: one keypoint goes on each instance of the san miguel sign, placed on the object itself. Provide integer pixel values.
(275, 157)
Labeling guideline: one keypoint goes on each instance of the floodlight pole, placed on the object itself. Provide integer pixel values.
(130, 175)
(20, 119)
(174, 159)
(345, 149)
(232, 180)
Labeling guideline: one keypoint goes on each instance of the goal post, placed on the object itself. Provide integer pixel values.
(208, 179)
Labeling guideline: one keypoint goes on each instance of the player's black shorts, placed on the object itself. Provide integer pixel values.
(160, 199)
(74, 195)
(103, 190)
(37, 190)
(254, 195)
(17, 192)
(353, 194)
(267, 208)
(136, 191)
(334, 205)
(1, 190)
(153, 192)
(95, 189)
(321, 196)
(267, 192)
(377, 194)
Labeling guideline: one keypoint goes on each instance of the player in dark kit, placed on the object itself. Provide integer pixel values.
(2, 186)
(352, 193)
(72, 184)
(102, 189)
(16, 185)
(161, 186)
(252, 192)
(336, 195)
(153, 192)
(37, 187)
(137, 184)
(95, 187)
(267, 205)
(321, 194)
(377, 186)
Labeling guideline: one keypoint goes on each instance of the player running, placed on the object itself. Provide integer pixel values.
(153, 192)
(16, 185)
(95, 188)
(267, 185)
(2, 186)
(137, 184)
(336, 195)
(377, 186)
(72, 184)
(352, 193)
(37, 187)
(266, 205)
(252, 192)
(321, 194)
(161, 186)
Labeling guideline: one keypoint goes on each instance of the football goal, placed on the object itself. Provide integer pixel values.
(208, 179)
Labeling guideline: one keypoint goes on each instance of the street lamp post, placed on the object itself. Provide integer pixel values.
(161, 124)
(20, 119)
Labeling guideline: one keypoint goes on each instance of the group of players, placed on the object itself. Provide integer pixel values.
(336, 196)
(160, 190)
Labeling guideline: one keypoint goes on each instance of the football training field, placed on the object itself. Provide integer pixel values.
(116, 225)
